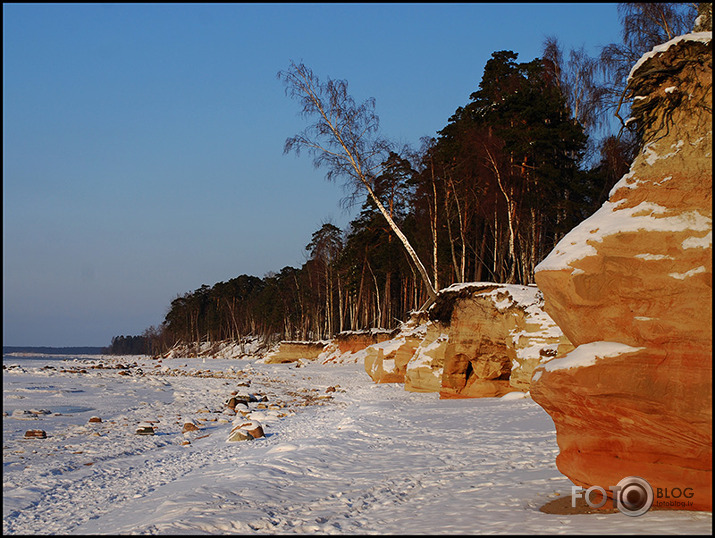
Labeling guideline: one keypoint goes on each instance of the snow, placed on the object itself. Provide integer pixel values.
(388, 346)
(688, 274)
(423, 355)
(588, 354)
(504, 295)
(365, 458)
(650, 257)
(699, 242)
(703, 37)
(652, 155)
(612, 219)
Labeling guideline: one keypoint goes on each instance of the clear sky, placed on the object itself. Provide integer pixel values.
(143, 144)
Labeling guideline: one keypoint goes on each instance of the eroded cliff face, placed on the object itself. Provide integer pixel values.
(288, 351)
(347, 346)
(477, 340)
(631, 287)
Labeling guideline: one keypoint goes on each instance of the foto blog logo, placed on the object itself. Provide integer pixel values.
(632, 496)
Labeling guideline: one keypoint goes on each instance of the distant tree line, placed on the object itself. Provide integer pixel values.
(512, 171)
(128, 345)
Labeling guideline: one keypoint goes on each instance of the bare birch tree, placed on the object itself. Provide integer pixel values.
(344, 140)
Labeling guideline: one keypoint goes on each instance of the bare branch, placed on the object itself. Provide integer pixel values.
(344, 139)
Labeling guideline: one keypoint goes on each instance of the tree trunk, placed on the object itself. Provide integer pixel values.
(511, 212)
(408, 247)
(433, 229)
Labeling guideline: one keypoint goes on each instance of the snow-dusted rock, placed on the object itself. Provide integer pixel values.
(631, 287)
(386, 362)
(145, 428)
(189, 426)
(423, 372)
(244, 429)
(23, 414)
(237, 399)
(35, 434)
(238, 434)
(241, 408)
(295, 351)
(348, 346)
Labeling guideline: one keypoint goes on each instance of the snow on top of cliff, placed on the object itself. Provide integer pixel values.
(372, 331)
(306, 342)
(333, 355)
(612, 219)
(528, 342)
(585, 355)
(525, 296)
(529, 298)
(703, 37)
(467, 285)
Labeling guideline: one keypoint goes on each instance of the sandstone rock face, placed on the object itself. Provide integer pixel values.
(478, 340)
(386, 362)
(423, 372)
(295, 351)
(631, 287)
(348, 345)
(497, 334)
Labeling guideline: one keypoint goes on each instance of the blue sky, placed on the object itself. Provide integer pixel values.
(143, 144)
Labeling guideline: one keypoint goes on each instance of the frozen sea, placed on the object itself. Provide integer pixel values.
(341, 455)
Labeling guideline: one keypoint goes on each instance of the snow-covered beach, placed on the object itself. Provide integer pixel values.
(341, 455)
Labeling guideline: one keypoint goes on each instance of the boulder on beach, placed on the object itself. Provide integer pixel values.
(145, 428)
(244, 429)
(189, 426)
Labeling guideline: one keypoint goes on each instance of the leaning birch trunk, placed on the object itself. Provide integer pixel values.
(345, 129)
(432, 293)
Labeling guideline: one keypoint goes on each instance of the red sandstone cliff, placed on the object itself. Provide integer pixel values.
(631, 287)
(478, 340)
